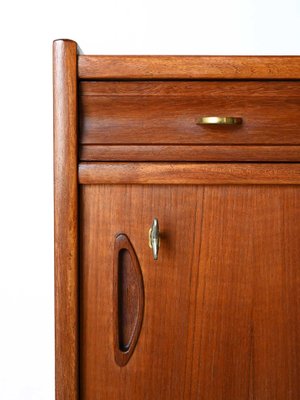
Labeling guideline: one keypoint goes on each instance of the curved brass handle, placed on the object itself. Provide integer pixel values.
(219, 121)
(154, 238)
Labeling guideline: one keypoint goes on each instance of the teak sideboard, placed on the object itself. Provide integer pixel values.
(177, 226)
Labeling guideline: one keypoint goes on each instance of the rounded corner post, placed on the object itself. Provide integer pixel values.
(65, 41)
(65, 218)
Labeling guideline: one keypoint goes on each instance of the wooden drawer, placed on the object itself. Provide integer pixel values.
(165, 112)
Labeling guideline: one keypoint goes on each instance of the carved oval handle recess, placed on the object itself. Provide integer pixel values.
(128, 299)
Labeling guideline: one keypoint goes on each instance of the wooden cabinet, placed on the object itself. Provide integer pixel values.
(216, 316)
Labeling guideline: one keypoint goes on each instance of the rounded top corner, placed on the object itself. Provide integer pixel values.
(64, 40)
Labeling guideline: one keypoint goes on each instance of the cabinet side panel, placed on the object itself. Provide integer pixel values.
(65, 226)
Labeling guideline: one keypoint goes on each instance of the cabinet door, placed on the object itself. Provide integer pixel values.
(221, 304)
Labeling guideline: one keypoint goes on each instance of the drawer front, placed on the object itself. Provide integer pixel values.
(166, 112)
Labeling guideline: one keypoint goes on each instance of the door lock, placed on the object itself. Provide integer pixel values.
(154, 238)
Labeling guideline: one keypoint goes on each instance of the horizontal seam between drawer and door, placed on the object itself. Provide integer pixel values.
(188, 173)
(238, 153)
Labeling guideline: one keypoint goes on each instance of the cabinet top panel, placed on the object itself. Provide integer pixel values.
(188, 67)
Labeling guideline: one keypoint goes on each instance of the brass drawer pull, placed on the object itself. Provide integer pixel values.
(219, 121)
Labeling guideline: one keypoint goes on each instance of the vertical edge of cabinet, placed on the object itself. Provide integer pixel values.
(65, 219)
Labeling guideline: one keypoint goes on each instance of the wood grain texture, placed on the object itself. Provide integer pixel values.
(221, 303)
(188, 153)
(166, 112)
(189, 67)
(188, 173)
(128, 299)
(66, 224)
(248, 337)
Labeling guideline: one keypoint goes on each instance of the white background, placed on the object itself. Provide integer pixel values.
(229, 27)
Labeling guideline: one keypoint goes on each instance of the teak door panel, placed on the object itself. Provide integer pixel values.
(157, 367)
(221, 318)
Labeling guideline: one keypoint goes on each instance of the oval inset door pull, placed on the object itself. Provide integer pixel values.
(128, 299)
(219, 121)
(154, 238)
